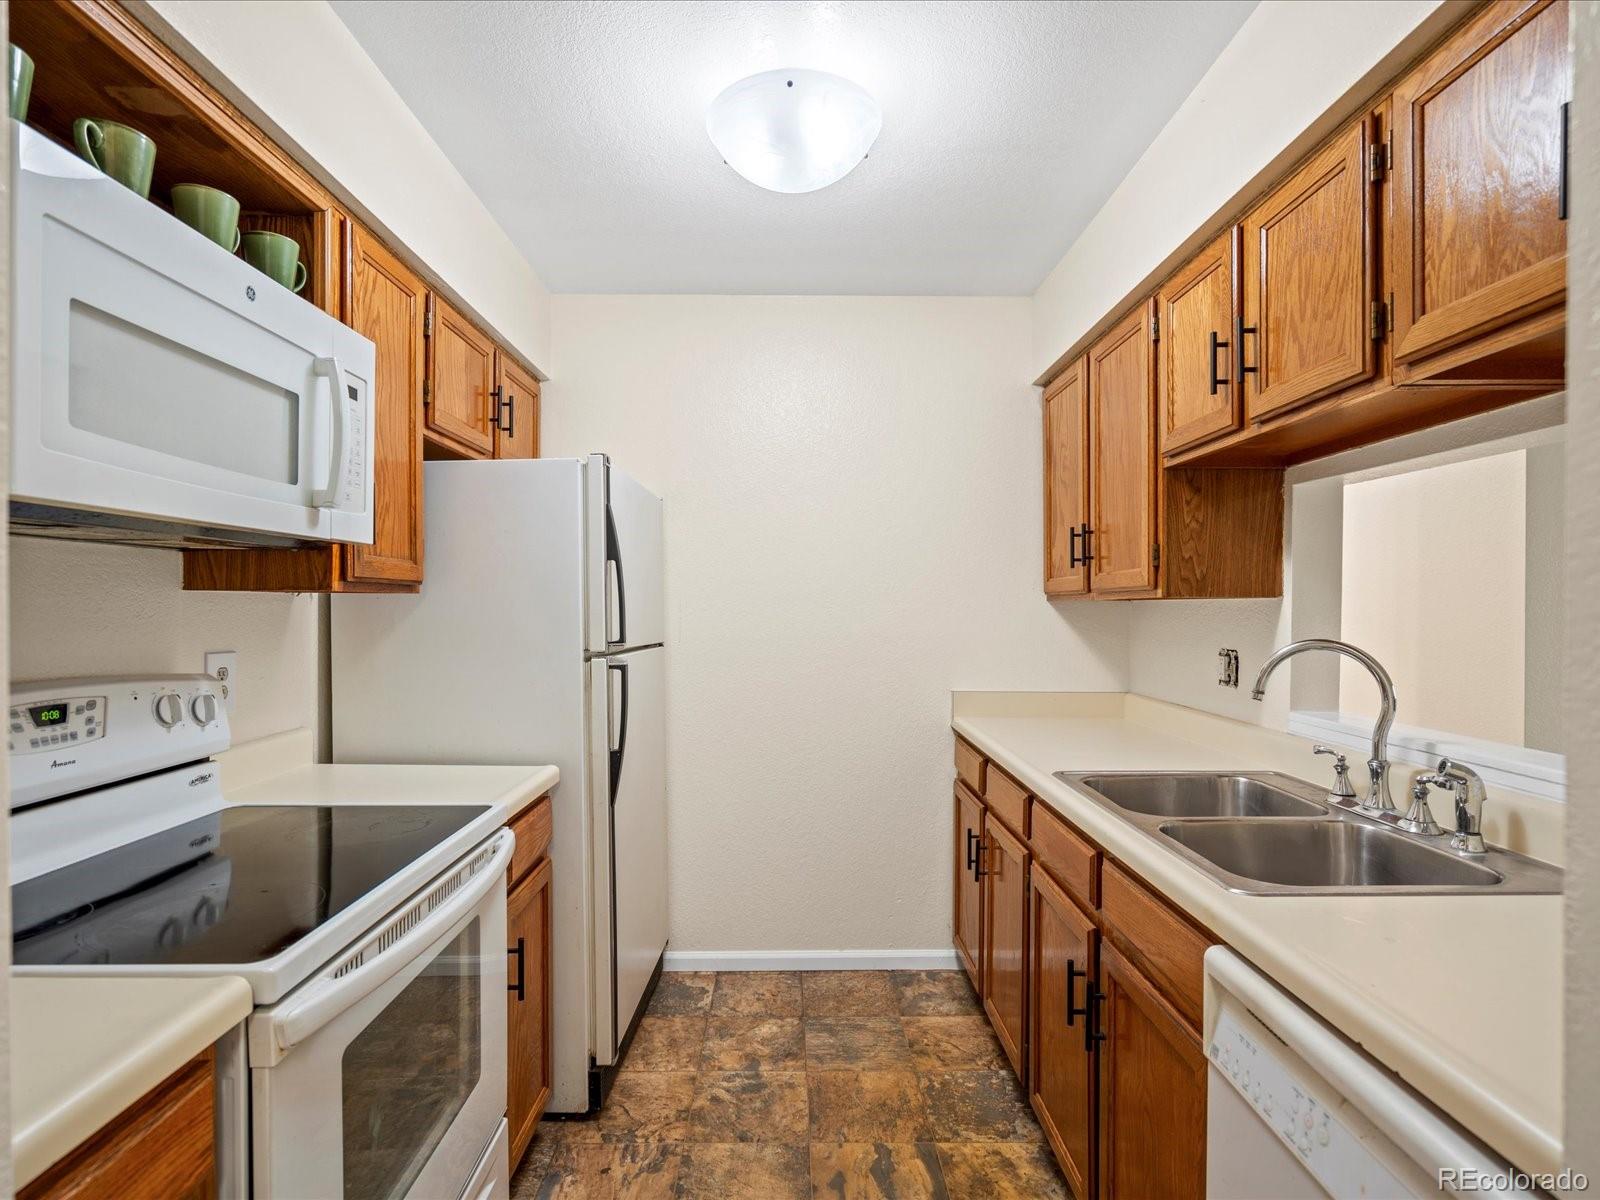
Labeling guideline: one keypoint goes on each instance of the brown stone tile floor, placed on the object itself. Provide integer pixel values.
(849, 1085)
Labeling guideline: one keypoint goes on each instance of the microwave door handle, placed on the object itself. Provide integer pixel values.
(339, 452)
(324, 998)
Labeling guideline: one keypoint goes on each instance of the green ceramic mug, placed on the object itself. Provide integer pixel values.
(275, 256)
(212, 212)
(121, 151)
(19, 75)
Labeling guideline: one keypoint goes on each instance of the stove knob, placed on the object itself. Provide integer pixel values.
(169, 709)
(204, 709)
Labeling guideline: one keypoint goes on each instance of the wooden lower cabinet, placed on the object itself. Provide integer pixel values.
(162, 1148)
(967, 921)
(1004, 867)
(1061, 1055)
(1152, 1101)
(528, 1003)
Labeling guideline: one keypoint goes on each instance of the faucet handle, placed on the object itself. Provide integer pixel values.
(1342, 788)
(1419, 818)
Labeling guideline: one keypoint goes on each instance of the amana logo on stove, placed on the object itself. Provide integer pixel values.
(199, 779)
(54, 763)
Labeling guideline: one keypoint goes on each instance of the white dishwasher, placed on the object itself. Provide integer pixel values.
(1295, 1111)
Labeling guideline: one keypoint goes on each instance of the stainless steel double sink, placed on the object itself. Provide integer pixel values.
(1263, 833)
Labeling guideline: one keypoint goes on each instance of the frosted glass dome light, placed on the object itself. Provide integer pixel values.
(793, 130)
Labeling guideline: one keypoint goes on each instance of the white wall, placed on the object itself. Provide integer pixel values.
(1291, 74)
(300, 73)
(1582, 1081)
(80, 609)
(853, 529)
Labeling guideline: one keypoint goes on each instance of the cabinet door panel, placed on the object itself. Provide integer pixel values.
(1061, 1067)
(968, 921)
(1308, 280)
(460, 378)
(528, 1024)
(387, 303)
(516, 433)
(1066, 480)
(1195, 375)
(1479, 240)
(1152, 1078)
(1122, 457)
(1005, 940)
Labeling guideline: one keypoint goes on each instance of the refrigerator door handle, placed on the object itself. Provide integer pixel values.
(621, 748)
(614, 566)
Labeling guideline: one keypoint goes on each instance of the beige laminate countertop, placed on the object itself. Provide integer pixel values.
(83, 1050)
(510, 788)
(1461, 996)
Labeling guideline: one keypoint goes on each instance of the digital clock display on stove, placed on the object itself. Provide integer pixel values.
(45, 715)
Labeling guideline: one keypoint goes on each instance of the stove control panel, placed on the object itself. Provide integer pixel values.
(67, 735)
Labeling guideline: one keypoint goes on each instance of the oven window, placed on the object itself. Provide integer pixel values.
(408, 1073)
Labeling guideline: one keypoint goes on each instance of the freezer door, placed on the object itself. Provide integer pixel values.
(626, 602)
(629, 766)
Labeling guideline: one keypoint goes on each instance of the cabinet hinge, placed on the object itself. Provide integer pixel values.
(1378, 161)
(1155, 555)
(1378, 323)
(1155, 329)
(427, 392)
(427, 320)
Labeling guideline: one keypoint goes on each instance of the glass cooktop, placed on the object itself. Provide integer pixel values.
(236, 886)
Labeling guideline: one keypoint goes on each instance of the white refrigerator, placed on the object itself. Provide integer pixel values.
(539, 637)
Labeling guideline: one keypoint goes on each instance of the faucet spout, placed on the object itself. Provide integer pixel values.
(1378, 797)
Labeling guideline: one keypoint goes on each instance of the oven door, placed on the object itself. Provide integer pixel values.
(160, 380)
(385, 1076)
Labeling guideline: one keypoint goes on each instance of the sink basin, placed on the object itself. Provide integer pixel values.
(1326, 854)
(1199, 795)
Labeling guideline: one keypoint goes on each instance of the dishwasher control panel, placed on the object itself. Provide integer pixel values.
(1333, 1141)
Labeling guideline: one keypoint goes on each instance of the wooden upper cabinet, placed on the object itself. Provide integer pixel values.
(1309, 280)
(1005, 939)
(1066, 481)
(387, 303)
(528, 1060)
(1152, 1077)
(1196, 355)
(1479, 236)
(461, 378)
(1122, 456)
(1061, 1060)
(967, 919)
(516, 422)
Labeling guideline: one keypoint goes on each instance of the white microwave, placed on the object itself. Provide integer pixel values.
(163, 390)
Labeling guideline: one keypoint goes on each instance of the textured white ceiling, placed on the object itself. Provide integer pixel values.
(1005, 127)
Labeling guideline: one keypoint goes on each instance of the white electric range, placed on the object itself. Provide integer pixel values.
(372, 937)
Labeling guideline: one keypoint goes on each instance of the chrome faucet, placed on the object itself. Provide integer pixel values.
(1467, 787)
(1378, 799)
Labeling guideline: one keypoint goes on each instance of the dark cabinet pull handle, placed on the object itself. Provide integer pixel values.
(1216, 344)
(1072, 548)
(1239, 330)
(1092, 1011)
(1561, 194)
(1073, 975)
(518, 952)
(1085, 558)
(972, 852)
(511, 415)
(496, 404)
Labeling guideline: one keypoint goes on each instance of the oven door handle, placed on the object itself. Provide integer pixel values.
(275, 1032)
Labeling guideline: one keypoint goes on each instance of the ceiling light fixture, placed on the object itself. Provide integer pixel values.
(793, 130)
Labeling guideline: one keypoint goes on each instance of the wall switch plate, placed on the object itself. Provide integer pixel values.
(223, 666)
(1227, 668)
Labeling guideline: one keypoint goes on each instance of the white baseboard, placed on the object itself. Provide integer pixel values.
(811, 960)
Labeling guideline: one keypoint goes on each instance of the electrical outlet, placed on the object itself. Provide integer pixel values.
(1227, 668)
(223, 666)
